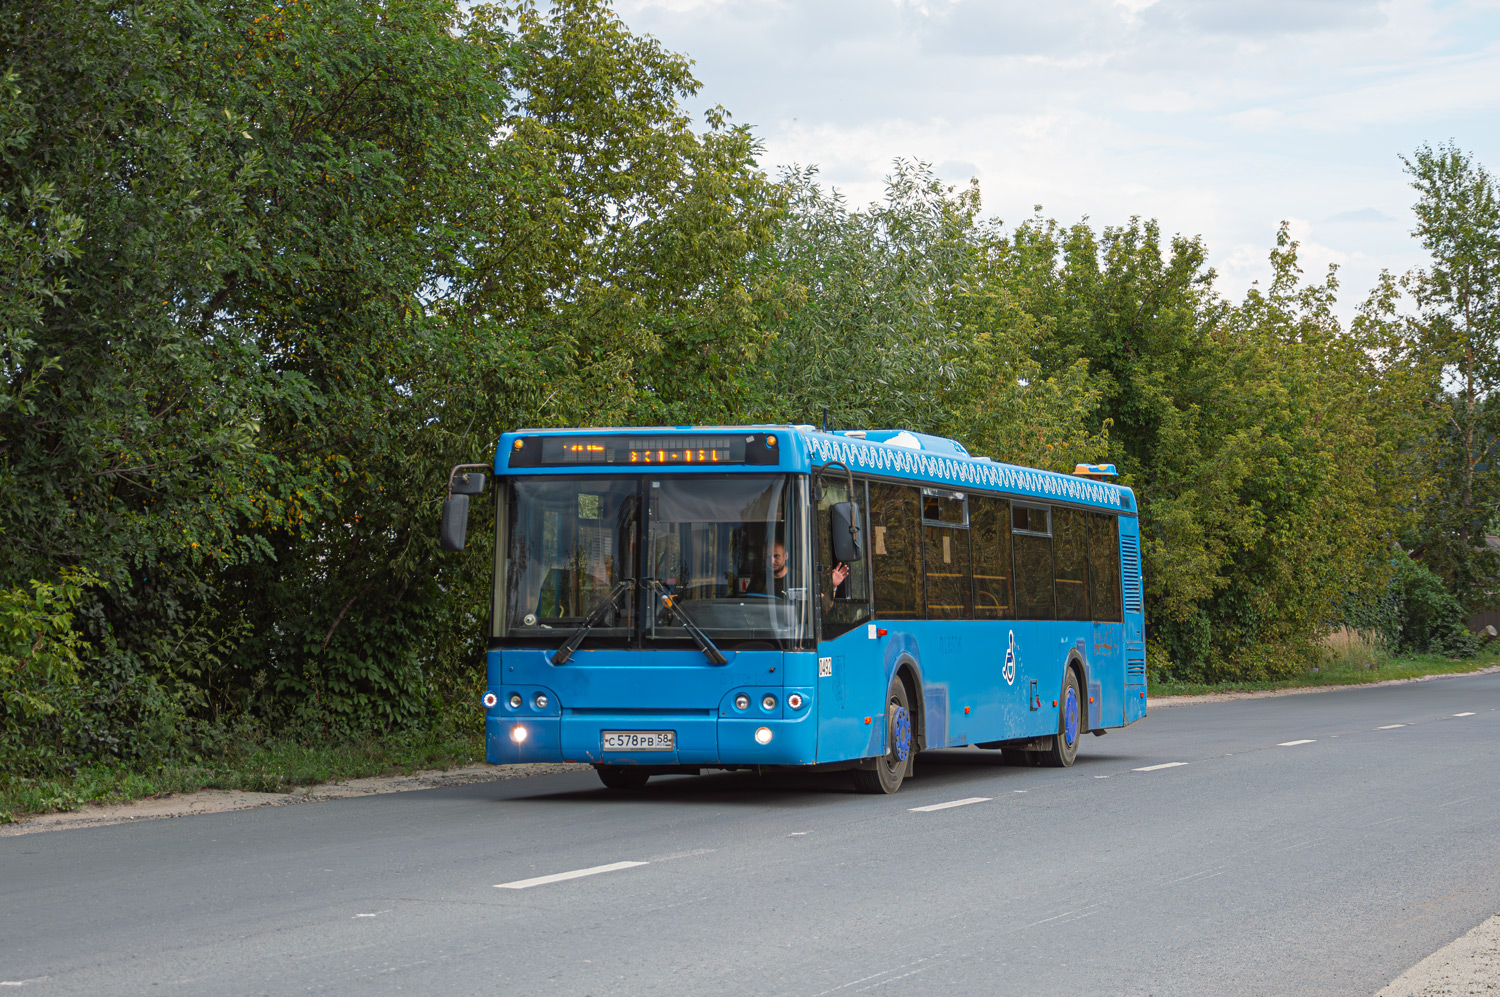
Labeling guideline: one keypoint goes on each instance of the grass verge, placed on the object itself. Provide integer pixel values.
(272, 767)
(1354, 669)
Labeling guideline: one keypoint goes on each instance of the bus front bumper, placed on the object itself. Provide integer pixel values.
(698, 739)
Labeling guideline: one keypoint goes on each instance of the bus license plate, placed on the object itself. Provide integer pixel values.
(640, 740)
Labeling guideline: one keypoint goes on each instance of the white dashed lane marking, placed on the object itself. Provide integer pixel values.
(950, 804)
(1390, 726)
(558, 877)
(1463, 714)
(1163, 765)
(1293, 744)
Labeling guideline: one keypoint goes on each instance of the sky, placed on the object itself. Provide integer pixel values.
(1218, 118)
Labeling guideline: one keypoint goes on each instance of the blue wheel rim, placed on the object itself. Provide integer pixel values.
(1070, 715)
(901, 733)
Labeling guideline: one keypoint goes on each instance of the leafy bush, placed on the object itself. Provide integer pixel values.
(1432, 620)
(39, 662)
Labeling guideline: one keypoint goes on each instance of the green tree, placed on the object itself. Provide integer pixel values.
(612, 259)
(277, 266)
(129, 418)
(914, 312)
(1458, 334)
(1261, 438)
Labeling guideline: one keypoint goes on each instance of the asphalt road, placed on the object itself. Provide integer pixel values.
(1297, 845)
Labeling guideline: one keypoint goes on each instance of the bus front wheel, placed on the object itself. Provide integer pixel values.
(622, 776)
(1069, 720)
(900, 744)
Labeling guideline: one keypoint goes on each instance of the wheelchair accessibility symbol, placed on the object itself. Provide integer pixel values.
(1009, 671)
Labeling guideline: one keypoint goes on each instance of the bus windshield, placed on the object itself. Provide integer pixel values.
(726, 549)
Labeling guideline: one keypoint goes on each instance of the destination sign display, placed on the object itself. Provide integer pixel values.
(663, 450)
(644, 451)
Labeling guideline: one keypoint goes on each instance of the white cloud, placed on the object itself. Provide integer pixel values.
(1257, 119)
(1217, 117)
(1264, 18)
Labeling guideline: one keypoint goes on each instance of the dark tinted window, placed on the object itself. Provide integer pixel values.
(1070, 549)
(1031, 519)
(894, 550)
(946, 550)
(948, 508)
(1104, 566)
(1034, 599)
(989, 523)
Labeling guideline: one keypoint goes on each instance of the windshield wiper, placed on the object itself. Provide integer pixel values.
(700, 638)
(594, 619)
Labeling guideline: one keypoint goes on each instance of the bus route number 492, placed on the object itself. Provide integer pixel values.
(639, 740)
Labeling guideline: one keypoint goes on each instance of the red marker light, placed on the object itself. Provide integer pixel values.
(881, 632)
(867, 719)
(966, 709)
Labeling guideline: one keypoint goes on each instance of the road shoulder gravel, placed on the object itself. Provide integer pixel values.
(209, 801)
(1465, 967)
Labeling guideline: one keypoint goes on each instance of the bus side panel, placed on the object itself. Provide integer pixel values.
(962, 667)
(969, 697)
(1042, 648)
(1106, 658)
(1135, 619)
(853, 674)
(999, 705)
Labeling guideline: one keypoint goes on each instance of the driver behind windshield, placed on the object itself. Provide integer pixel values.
(780, 575)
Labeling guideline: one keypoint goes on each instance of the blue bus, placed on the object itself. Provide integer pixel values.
(668, 600)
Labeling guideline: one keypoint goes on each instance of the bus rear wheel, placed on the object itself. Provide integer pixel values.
(1069, 720)
(900, 740)
(622, 776)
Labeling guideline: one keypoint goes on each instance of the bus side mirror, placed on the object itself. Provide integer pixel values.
(455, 521)
(842, 517)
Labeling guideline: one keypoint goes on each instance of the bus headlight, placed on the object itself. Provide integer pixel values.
(518, 735)
(769, 703)
(742, 702)
(541, 701)
(515, 700)
(762, 735)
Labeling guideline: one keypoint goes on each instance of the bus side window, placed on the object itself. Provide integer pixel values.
(1031, 532)
(849, 605)
(1070, 551)
(989, 520)
(945, 548)
(894, 551)
(1104, 567)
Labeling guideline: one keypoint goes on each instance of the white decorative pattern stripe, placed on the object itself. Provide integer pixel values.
(957, 471)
